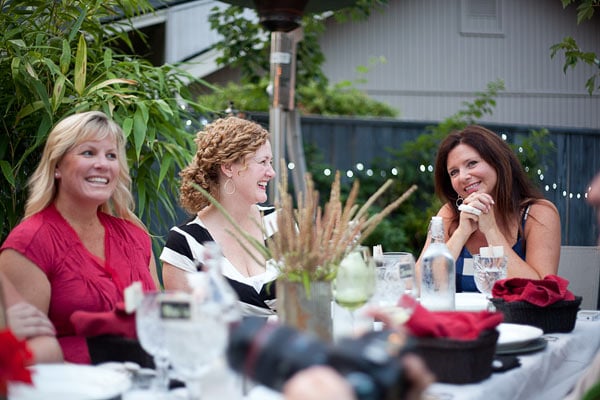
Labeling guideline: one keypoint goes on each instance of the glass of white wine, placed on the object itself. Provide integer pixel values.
(354, 283)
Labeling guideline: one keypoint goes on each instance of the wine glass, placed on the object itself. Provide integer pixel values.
(354, 283)
(151, 335)
(488, 270)
(196, 336)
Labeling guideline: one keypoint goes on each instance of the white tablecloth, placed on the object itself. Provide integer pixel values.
(546, 375)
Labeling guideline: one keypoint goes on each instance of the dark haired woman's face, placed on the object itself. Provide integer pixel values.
(469, 173)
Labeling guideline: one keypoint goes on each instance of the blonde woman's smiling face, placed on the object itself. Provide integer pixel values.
(469, 173)
(89, 171)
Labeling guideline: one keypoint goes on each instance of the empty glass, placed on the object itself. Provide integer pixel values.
(395, 277)
(196, 334)
(151, 335)
(488, 270)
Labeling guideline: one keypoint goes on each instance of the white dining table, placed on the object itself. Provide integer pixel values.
(548, 374)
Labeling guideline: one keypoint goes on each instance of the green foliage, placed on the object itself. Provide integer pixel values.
(311, 99)
(245, 44)
(59, 58)
(245, 97)
(573, 54)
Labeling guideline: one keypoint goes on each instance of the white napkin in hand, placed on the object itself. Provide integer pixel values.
(469, 209)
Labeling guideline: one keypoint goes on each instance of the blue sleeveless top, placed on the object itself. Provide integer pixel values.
(466, 283)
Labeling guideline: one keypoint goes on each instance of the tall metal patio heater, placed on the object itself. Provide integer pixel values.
(283, 19)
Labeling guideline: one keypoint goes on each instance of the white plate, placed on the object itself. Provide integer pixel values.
(71, 382)
(516, 335)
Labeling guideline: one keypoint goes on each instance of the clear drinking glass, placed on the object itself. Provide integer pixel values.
(488, 270)
(196, 340)
(151, 335)
(395, 277)
(354, 283)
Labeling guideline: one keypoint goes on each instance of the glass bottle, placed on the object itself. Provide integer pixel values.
(438, 281)
(221, 291)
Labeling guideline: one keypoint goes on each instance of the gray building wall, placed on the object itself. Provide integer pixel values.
(433, 65)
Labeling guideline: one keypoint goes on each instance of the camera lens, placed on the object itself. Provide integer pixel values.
(270, 354)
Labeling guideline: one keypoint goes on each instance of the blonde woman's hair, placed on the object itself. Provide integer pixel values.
(226, 140)
(68, 133)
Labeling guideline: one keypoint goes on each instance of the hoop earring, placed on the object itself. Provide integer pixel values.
(459, 201)
(227, 182)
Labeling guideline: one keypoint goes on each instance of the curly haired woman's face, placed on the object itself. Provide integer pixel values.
(469, 172)
(251, 180)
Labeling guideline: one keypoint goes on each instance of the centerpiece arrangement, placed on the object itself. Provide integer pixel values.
(309, 245)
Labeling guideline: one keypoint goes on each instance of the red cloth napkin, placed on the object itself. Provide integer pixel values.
(451, 324)
(115, 322)
(539, 292)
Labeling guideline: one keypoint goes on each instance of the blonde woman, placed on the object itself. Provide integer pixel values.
(234, 164)
(79, 244)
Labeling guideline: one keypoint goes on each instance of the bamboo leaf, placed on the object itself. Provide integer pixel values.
(29, 109)
(7, 172)
(127, 126)
(80, 65)
(111, 82)
(65, 57)
(77, 25)
(139, 131)
(165, 166)
(107, 59)
(58, 93)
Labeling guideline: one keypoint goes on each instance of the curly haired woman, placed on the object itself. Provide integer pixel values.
(234, 164)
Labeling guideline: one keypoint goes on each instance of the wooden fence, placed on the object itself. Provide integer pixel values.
(344, 142)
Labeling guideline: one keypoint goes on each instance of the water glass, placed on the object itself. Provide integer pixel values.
(395, 277)
(196, 335)
(488, 270)
(150, 330)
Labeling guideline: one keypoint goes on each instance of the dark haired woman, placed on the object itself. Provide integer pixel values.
(475, 167)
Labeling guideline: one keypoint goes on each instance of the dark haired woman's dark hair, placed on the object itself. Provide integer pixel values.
(514, 190)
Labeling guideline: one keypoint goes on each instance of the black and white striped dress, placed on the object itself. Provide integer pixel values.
(184, 249)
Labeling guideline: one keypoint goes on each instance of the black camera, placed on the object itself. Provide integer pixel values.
(270, 354)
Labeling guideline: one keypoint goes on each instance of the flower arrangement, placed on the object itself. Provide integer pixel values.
(14, 358)
(311, 241)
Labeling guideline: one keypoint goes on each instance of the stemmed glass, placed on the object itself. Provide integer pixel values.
(196, 336)
(354, 283)
(487, 271)
(151, 335)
